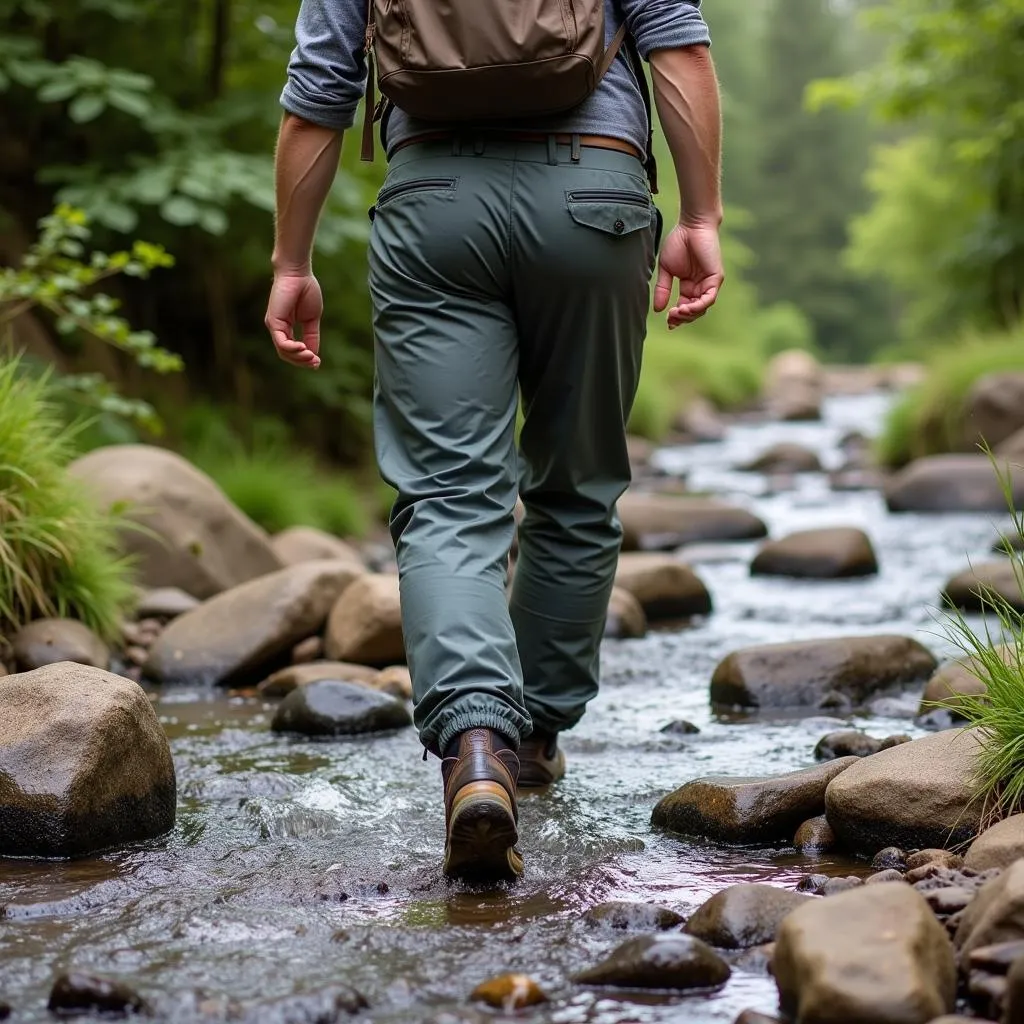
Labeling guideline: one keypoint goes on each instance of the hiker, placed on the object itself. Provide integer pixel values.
(511, 252)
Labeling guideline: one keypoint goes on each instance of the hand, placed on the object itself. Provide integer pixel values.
(296, 299)
(691, 254)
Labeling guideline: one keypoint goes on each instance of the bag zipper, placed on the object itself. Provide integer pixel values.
(419, 185)
(600, 195)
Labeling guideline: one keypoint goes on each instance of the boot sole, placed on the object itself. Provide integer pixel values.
(482, 835)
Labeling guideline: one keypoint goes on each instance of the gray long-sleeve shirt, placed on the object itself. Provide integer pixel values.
(327, 70)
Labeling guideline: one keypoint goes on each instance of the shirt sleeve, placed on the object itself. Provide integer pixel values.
(665, 24)
(327, 69)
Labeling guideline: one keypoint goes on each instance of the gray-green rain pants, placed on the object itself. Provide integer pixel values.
(500, 268)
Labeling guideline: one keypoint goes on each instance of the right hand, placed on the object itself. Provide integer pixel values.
(296, 299)
(692, 255)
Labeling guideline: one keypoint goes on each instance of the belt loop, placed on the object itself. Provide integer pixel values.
(552, 151)
(575, 147)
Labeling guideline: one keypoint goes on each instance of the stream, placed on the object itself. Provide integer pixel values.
(297, 864)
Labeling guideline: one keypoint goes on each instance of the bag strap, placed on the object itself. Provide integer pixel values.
(370, 102)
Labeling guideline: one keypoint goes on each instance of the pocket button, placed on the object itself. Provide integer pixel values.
(619, 227)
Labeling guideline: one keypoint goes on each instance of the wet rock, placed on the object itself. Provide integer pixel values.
(987, 993)
(664, 522)
(308, 544)
(660, 961)
(84, 764)
(993, 409)
(996, 914)
(282, 682)
(754, 1017)
(888, 875)
(873, 954)
(194, 538)
(396, 680)
(998, 846)
(784, 457)
(815, 836)
(236, 637)
(50, 641)
(748, 810)
(890, 857)
(950, 899)
(846, 743)
(308, 650)
(165, 603)
(1013, 1012)
(812, 884)
(680, 727)
(951, 483)
(794, 386)
(918, 794)
(509, 992)
(663, 586)
(5, 1010)
(74, 994)
(365, 625)
(327, 1006)
(839, 553)
(622, 915)
(834, 886)
(332, 708)
(997, 959)
(955, 680)
(943, 858)
(626, 618)
(809, 672)
(743, 916)
(971, 589)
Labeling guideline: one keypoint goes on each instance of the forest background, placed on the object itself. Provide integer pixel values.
(874, 185)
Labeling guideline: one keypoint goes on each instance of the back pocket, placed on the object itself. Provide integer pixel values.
(614, 211)
(404, 188)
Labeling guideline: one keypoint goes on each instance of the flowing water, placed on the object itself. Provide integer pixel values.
(295, 864)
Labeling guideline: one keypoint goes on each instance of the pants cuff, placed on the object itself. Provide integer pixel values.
(457, 720)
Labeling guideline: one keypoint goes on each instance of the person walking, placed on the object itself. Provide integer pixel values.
(511, 253)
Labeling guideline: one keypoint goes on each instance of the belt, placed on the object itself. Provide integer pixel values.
(590, 141)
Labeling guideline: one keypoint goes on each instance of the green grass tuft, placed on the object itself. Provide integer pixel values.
(58, 551)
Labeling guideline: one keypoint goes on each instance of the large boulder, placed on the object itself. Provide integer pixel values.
(825, 554)
(994, 409)
(784, 457)
(84, 764)
(873, 954)
(659, 961)
(626, 619)
(748, 809)
(308, 544)
(663, 522)
(917, 795)
(794, 386)
(996, 914)
(365, 624)
(951, 483)
(998, 846)
(956, 680)
(813, 673)
(49, 641)
(664, 587)
(193, 537)
(330, 707)
(970, 590)
(743, 915)
(240, 635)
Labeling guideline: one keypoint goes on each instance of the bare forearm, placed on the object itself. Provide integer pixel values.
(306, 163)
(686, 95)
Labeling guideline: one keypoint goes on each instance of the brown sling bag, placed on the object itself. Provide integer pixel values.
(489, 60)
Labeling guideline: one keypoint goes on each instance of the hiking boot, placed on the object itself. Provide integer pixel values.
(480, 809)
(541, 761)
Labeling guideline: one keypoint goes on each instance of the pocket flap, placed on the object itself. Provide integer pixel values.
(615, 213)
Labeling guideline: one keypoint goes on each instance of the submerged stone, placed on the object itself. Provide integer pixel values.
(815, 836)
(333, 708)
(622, 915)
(660, 961)
(509, 992)
(326, 1006)
(75, 994)
(839, 553)
(743, 915)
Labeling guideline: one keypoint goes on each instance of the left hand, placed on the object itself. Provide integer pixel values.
(296, 299)
(692, 255)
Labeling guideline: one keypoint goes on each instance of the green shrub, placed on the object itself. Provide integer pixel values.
(999, 714)
(57, 550)
(930, 418)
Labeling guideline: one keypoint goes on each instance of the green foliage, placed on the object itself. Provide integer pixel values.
(999, 714)
(953, 72)
(930, 419)
(57, 276)
(57, 549)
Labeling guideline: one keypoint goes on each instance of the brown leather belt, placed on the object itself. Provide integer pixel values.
(590, 141)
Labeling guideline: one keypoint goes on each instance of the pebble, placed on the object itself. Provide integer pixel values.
(812, 884)
(330, 1005)
(949, 900)
(305, 651)
(136, 655)
(660, 961)
(76, 993)
(888, 875)
(941, 857)
(997, 958)
(332, 707)
(509, 992)
(680, 727)
(837, 885)
(626, 916)
(892, 857)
